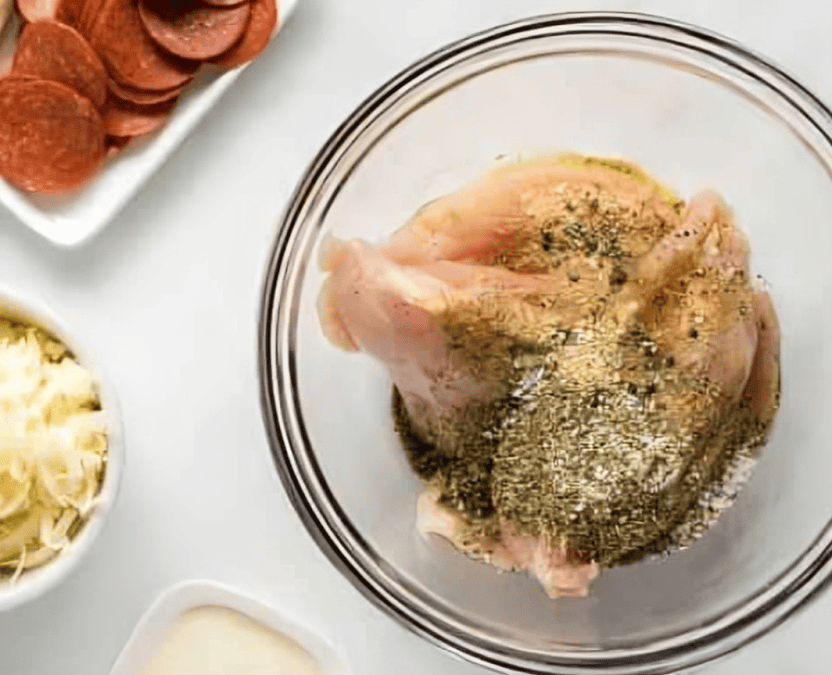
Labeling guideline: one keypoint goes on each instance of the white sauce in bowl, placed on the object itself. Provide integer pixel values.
(214, 640)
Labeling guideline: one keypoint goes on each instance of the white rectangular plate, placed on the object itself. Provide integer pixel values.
(155, 624)
(69, 220)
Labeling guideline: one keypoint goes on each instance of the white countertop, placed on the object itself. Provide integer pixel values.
(167, 299)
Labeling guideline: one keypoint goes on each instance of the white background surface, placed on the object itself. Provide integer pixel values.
(167, 298)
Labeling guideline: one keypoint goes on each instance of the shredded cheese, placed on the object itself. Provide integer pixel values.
(53, 447)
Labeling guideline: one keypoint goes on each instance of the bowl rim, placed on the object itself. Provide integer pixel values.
(332, 530)
(34, 583)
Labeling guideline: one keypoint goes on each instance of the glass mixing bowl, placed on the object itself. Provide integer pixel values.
(696, 110)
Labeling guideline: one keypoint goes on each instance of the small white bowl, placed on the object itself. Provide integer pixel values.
(157, 621)
(37, 581)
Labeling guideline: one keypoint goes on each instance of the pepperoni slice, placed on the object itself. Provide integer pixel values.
(85, 14)
(261, 28)
(130, 55)
(123, 119)
(69, 12)
(53, 51)
(143, 96)
(192, 29)
(51, 137)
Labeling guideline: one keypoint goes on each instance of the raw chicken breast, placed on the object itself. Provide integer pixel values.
(394, 313)
(505, 549)
(574, 355)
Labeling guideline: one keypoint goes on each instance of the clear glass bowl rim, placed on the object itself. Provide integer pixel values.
(294, 458)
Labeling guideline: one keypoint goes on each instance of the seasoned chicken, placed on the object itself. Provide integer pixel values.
(575, 355)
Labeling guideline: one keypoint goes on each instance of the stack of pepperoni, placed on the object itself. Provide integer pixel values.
(89, 75)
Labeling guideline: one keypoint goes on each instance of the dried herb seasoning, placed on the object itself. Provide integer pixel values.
(596, 434)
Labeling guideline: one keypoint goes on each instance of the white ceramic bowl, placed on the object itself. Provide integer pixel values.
(154, 625)
(37, 581)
